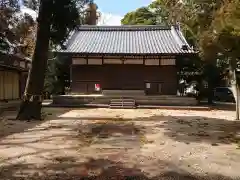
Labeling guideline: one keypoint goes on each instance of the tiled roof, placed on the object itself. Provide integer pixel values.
(127, 40)
(13, 61)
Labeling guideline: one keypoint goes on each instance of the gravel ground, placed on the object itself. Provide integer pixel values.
(105, 144)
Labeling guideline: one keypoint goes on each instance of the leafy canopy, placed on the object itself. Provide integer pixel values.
(211, 26)
(65, 16)
(15, 29)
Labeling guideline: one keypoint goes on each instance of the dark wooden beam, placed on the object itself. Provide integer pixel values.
(87, 59)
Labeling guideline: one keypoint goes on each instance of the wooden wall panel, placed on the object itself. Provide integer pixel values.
(123, 77)
(86, 73)
(15, 86)
(168, 62)
(82, 76)
(1, 85)
(152, 62)
(95, 61)
(112, 61)
(79, 61)
(131, 77)
(9, 85)
(167, 75)
(79, 87)
(133, 61)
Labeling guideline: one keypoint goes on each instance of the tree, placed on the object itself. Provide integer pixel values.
(57, 75)
(214, 26)
(227, 37)
(17, 30)
(142, 16)
(54, 27)
(7, 21)
(196, 18)
(25, 34)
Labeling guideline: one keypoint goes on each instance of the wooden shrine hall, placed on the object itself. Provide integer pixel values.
(140, 58)
(136, 60)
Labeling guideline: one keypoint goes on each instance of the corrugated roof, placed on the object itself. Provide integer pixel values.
(127, 40)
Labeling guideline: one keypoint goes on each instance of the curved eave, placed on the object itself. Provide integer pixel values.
(125, 54)
(13, 68)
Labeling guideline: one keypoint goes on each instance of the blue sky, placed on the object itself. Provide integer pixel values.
(114, 10)
(120, 7)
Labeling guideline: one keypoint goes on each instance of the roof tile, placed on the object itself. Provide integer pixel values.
(127, 40)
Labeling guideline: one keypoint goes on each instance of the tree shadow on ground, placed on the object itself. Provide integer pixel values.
(108, 129)
(185, 129)
(125, 135)
(67, 168)
(9, 125)
(198, 129)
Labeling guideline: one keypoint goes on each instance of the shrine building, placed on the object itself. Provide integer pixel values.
(142, 59)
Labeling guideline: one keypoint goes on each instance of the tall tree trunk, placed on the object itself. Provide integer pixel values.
(31, 104)
(235, 89)
(210, 92)
(235, 85)
(210, 72)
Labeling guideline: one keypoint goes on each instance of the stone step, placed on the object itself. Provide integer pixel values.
(122, 99)
(122, 103)
(122, 107)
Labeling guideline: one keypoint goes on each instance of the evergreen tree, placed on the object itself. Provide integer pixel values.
(211, 27)
(17, 30)
(56, 19)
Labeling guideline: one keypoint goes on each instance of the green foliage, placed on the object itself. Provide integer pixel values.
(7, 21)
(211, 26)
(57, 75)
(16, 29)
(154, 14)
(142, 16)
(227, 29)
(66, 15)
(32, 4)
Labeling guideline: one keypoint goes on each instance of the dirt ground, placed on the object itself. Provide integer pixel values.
(105, 144)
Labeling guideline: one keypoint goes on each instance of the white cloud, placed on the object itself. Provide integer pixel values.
(110, 19)
(29, 12)
(107, 19)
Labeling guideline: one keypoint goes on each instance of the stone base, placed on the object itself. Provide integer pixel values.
(10, 105)
(79, 100)
(123, 92)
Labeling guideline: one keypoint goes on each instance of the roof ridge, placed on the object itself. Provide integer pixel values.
(123, 28)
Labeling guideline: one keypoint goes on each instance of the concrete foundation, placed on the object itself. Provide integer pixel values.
(75, 100)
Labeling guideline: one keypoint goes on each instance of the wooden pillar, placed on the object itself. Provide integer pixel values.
(70, 78)
(22, 82)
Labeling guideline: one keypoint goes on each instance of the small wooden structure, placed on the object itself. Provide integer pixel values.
(13, 75)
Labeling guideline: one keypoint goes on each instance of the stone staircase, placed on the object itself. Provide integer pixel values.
(122, 103)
